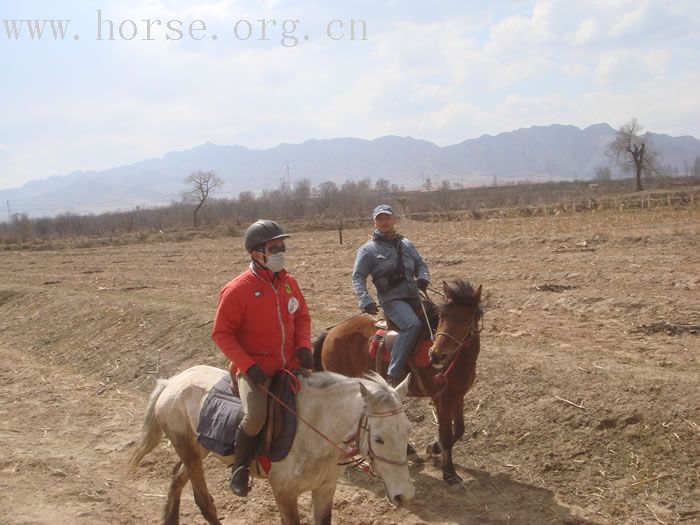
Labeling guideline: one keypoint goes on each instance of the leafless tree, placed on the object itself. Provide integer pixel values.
(633, 150)
(383, 187)
(602, 174)
(443, 194)
(202, 184)
(327, 195)
(403, 201)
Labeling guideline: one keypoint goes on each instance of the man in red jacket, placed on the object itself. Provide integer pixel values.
(263, 326)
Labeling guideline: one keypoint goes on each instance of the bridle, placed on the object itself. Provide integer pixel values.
(441, 377)
(462, 343)
(466, 338)
(364, 432)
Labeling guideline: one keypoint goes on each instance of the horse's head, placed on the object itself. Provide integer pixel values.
(459, 320)
(384, 438)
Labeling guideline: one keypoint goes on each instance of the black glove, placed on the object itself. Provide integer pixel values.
(371, 309)
(255, 375)
(306, 358)
(422, 284)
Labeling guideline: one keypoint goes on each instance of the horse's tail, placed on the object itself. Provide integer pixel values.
(318, 347)
(151, 429)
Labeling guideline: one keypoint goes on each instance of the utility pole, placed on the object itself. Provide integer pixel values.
(9, 216)
(289, 177)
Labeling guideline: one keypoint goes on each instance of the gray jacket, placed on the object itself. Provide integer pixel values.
(377, 259)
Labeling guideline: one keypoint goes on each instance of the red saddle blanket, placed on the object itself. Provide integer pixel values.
(420, 355)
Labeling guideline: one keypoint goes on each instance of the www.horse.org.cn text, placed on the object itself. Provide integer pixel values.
(288, 32)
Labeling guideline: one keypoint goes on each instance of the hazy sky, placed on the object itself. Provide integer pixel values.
(442, 71)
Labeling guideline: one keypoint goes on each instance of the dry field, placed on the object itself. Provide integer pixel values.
(580, 414)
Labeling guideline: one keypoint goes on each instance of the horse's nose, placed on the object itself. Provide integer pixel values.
(398, 500)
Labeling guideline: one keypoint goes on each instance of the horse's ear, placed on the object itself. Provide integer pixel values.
(445, 288)
(402, 389)
(365, 393)
(477, 295)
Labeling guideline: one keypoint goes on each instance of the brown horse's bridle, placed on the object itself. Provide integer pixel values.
(460, 344)
(441, 377)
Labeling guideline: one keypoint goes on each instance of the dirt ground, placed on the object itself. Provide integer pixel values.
(585, 409)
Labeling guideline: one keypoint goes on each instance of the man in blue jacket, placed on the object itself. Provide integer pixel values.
(398, 272)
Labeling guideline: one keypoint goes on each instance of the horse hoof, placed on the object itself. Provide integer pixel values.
(414, 458)
(452, 478)
(433, 448)
(412, 455)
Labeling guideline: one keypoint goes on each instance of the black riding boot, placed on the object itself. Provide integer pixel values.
(240, 471)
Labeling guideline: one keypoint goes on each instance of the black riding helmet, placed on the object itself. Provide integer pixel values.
(262, 231)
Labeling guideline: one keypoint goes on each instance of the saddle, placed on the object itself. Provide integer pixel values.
(222, 412)
(382, 342)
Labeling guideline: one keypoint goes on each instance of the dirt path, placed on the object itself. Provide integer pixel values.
(84, 332)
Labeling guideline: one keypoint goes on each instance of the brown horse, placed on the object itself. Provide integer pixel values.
(344, 349)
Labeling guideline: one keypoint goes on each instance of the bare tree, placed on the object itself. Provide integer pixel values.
(634, 150)
(327, 195)
(383, 187)
(403, 201)
(443, 194)
(602, 174)
(202, 184)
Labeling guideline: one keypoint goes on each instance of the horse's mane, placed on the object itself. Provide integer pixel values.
(379, 388)
(461, 293)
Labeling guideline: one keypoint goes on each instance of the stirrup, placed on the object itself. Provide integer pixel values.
(235, 488)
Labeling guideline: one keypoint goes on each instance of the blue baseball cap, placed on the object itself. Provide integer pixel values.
(382, 208)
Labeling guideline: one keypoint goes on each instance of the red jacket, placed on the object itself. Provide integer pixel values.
(258, 322)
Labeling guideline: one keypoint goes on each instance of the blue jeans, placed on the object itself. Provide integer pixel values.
(403, 316)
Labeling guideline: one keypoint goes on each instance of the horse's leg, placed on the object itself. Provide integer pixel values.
(444, 412)
(458, 418)
(188, 450)
(288, 506)
(434, 448)
(171, 516)
(322, 499)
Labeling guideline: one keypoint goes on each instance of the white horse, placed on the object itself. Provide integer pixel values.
(364, 415)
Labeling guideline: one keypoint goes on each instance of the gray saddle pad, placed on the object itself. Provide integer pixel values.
(219, 419)
(222, 412)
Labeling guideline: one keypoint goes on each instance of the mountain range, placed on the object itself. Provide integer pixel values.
(555, 152)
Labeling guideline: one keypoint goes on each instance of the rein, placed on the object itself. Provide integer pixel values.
(354, 440)
(346, 319)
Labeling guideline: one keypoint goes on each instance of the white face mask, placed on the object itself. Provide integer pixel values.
(275, 263)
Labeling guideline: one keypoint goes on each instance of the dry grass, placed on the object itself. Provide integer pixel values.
(116, 316)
